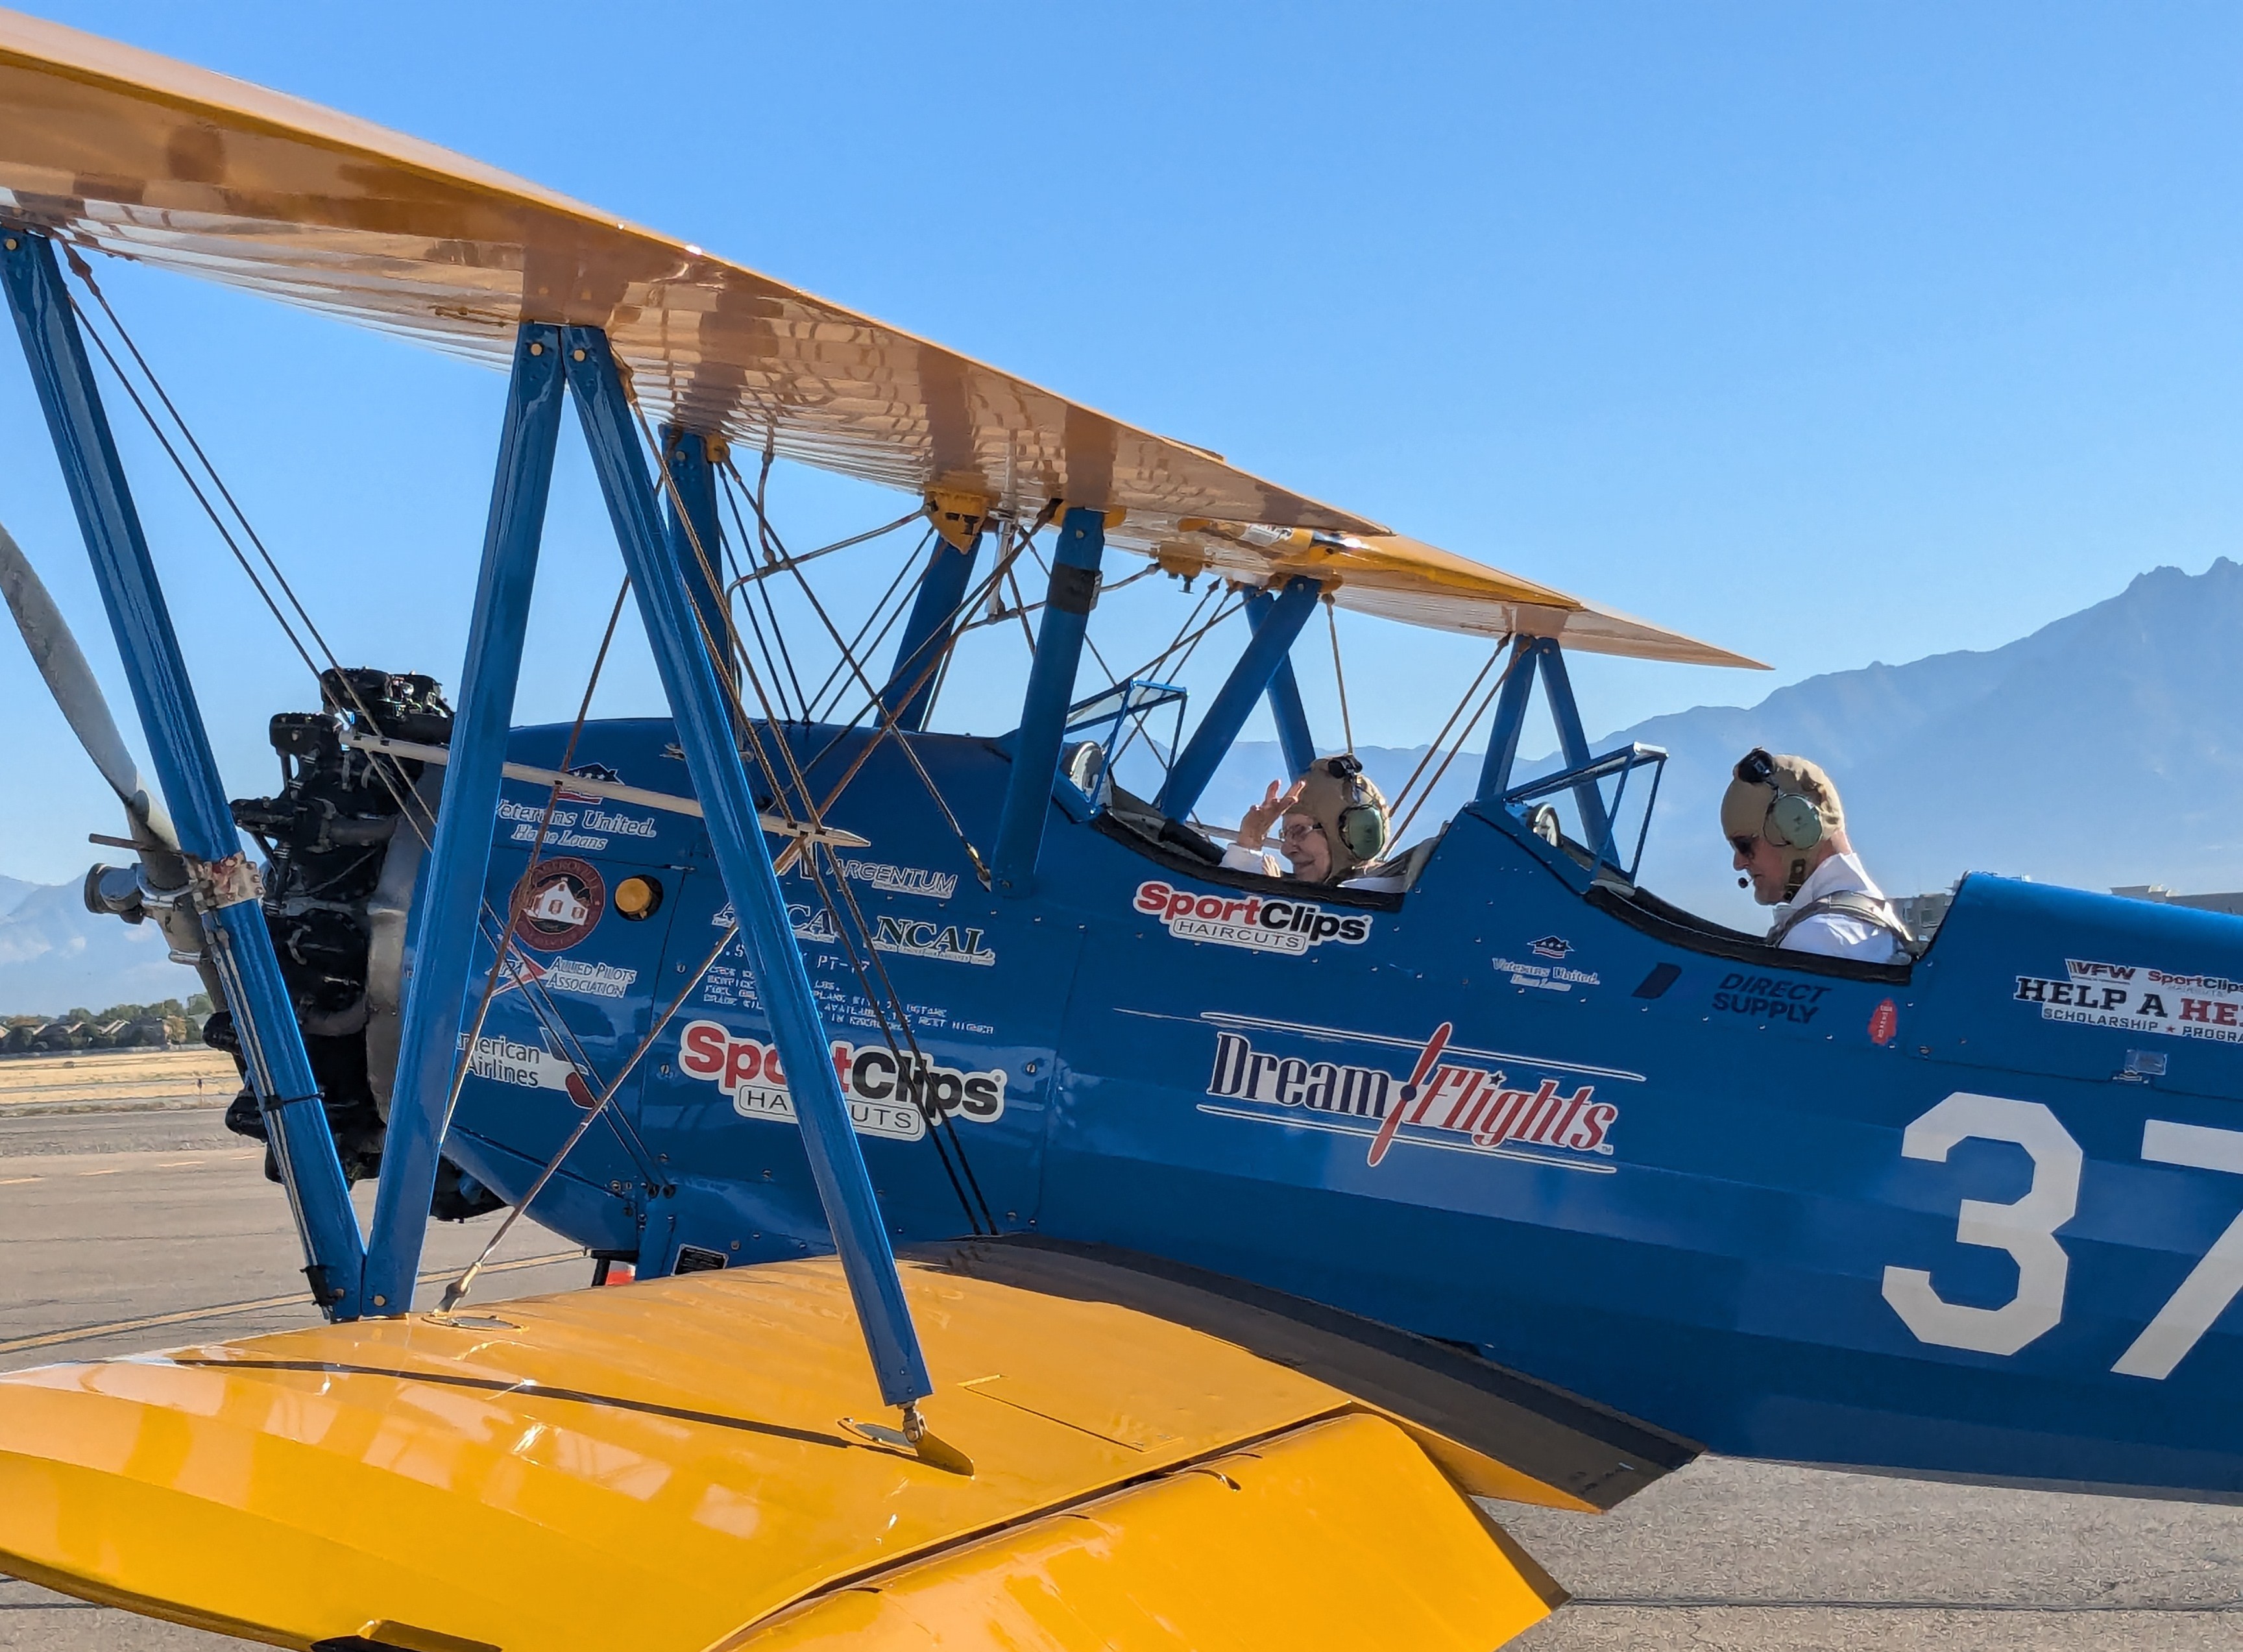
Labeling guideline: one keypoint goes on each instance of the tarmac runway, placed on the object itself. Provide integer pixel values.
(130, 1230)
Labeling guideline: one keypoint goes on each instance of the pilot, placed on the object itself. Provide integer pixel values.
(1334, 827)
(1783, 818)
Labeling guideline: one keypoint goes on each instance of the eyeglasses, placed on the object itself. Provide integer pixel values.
(1298, 830)
(1744, 845)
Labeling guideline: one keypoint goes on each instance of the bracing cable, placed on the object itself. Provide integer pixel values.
(1463, 734)
(886, 717)
(187, 476)
(537, 848)
(1394, 805)
(937, 1120)
(411, 809)
(1339, 677)
(857, 644)
(459, 1288)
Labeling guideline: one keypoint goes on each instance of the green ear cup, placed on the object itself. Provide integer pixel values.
(1793, 822)
(1362, 831)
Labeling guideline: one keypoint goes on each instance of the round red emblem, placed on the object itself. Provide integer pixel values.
(1884, 1022)
(558, 903)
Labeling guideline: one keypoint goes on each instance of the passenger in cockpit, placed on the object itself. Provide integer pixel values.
(1788, 830)
(1334, 828)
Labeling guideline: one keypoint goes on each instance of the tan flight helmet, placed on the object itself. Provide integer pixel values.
(1339, 797)
(1789, 800)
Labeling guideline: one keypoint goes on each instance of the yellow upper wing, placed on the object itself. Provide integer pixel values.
(1405, 579)
(176, 166)
(180, 167)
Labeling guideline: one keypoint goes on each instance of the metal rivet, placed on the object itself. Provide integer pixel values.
(577, 355)
(378, 1302)
(11, 243)
(537, 349)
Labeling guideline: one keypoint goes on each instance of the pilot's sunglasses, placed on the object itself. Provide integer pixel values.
(1744, 845)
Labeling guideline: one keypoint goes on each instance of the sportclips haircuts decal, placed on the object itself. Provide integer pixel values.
(1403, 1093)
(885, 1095)
(2137, 999)
(1259, 923)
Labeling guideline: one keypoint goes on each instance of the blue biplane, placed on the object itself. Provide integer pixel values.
(1518, 1133)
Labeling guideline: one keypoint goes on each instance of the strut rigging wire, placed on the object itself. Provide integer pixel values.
(857, 644)
(459, 1287)
(1395, 809)
(411, 809)
(938, 1123)
(886, 717)
(787, 777)
(537, 847)
(1159, 662)
(1339, 677)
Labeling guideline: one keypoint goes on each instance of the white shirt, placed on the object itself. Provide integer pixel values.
(1838, 935)
(1238, 859)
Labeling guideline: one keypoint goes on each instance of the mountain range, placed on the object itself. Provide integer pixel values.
(2092, 752)
(55, 954)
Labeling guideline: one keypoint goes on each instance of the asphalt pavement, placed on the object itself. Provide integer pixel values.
(125, 1232)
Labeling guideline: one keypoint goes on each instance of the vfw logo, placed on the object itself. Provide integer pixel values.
(1258, 923)
(1393, 1093)
(887, 1096)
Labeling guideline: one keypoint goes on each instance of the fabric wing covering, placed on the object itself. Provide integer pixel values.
(669, 1468)
(136, 155)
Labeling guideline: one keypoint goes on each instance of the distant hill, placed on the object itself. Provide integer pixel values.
(12, 891)
(55, 954)
(2094, 752)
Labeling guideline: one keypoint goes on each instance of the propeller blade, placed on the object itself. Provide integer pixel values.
(55, 651)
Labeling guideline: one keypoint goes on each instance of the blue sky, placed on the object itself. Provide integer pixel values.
(1829, 333)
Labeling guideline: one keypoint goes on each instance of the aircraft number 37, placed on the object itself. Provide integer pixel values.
(2027, 1229)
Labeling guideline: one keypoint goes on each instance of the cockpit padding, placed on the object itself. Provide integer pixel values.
(1665, 921)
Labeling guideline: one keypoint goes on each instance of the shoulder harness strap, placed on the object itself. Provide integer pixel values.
(1848, 903)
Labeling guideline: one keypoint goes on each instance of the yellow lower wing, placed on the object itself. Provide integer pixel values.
(670, 1465)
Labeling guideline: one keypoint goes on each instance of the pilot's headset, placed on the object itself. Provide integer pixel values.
(1360, 827)
(1790, 818)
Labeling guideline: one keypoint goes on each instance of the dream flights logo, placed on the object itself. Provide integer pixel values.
(1456, 1099)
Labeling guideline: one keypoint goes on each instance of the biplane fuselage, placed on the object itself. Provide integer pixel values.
(1901, 1215)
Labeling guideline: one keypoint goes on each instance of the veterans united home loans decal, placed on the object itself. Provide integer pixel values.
(2138, 1000)
(1258, 923)
(887, 1096)
(1419, 1093)
(1556, 978)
